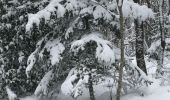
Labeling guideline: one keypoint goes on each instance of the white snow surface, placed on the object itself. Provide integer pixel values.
(104, 51)
(152, 92)
(29, 98)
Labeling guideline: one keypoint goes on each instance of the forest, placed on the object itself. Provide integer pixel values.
(84, 49)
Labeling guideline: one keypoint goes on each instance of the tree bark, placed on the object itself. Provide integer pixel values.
(140, 46)
(121, 20)
(91, 91)
(169, 7)
(163, 43)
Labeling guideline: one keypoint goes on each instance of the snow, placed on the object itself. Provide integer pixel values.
(30, 63)
(104, 51)
(11, 94)
(29, 98)
(45, 13)
(120, 3)
(112, 5)
(67, 86)
(164, 96)
(87, 10)
(32, 58)
(70, 88)
(55, 48)
(43, 85)
(72, 5)
(71, 27)
(156, 44)
(152, 92)
(69, 30)
(21, 56)
(151, 65)
(13, 1)
(143, 78)
(134, 10)
(55, 53)
(100, 12)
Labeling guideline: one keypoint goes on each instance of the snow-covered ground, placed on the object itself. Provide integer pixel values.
(155, 96)
(155, 91)
(152, 92)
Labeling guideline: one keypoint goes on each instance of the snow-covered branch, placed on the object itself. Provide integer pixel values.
(32, 58)
(104, 51)
(11, 94)
(143, 76)
(156, 44)
(108, 12)
(53, 46)
(71, 27)
(75, 82)
(45, 13)
(43, 85)
(134, 10)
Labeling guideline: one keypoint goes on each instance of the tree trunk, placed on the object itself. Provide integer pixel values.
(169, 7)
(140, 46)
(163, 43)
(91, 91)
(121, 20)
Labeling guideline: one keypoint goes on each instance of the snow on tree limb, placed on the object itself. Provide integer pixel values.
(134, 10)
(67, 86)
(104, 51)
(111, 6)
(45, 13)
(74, 83)
(101, 12)
(43, 85)
(32, 58)
(142, 74)
(70, 29)
(11, 94)
(53, 46)
(156, 44)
